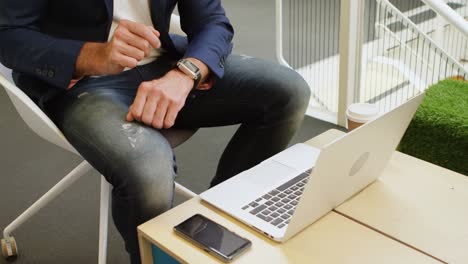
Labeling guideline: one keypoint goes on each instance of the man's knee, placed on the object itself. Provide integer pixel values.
(148, 176)
(289, 91)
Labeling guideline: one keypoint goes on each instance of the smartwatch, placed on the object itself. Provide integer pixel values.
(191, 70)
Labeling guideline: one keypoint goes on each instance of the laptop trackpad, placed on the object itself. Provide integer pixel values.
(269, 173)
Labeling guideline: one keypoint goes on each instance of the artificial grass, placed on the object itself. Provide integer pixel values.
(438, 132)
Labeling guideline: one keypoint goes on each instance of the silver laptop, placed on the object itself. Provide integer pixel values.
(291, 190)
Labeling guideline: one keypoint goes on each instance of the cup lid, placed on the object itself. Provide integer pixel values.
(362, 112)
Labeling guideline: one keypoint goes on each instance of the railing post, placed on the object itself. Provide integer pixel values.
(279, 33)
(449, 14)
(351, 39)
(438, 34)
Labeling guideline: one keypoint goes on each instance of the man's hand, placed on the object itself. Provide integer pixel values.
(130, 44)
(158, 102)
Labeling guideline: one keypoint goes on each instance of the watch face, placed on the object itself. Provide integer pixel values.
(190, 66)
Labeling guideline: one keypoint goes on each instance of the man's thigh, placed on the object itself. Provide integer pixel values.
(249, 89)
(95, 125)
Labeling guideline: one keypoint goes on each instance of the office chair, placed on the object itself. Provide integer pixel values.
(38, 121)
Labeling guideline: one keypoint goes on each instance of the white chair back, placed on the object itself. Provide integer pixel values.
(6, 73)
(32, 115)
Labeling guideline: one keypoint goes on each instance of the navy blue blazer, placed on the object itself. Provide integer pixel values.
(41, 39)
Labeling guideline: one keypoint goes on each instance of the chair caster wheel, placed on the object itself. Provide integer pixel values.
(9, 248)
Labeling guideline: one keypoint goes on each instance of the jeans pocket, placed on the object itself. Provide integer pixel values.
(194, 95)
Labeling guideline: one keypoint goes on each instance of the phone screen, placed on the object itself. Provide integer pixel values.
(212, 235)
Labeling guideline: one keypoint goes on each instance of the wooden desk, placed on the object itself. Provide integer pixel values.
(418, 203)
(332, 239)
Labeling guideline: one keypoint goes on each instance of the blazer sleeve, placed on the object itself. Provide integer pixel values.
(25, 49)
(209, 32)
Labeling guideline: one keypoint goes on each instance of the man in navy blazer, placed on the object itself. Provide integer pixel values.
(112, 78)
(41, 39)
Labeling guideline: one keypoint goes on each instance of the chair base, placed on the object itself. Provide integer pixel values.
(8, 244)
(9, 248)
(103, 220)
(61, 186)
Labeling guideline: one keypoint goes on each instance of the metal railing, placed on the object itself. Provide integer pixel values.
(401, 58)
(451, 35)
(375, 51)
(449, 13)
(308, 42)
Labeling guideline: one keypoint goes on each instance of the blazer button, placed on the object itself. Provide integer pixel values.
(51, 74)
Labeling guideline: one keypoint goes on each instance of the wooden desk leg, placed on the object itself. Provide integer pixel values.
(145, 250)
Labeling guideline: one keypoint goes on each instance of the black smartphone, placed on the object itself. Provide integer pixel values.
(212, 237)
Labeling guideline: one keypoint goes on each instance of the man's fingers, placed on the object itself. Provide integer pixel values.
(171, 115)
(129, 115)
(124, 60)
(143, 31)
(153, 39)
(131, 51)
(156, 32)
(137, 107)
(158, 120)
(133, 40)
(149, 110)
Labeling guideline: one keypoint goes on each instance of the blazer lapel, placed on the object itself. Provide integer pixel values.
(159, 14)
(110, 8)
(157, 8)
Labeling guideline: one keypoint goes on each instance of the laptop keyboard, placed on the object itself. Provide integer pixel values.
(277, 206)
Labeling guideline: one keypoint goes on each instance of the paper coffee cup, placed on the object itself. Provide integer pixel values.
(359, 114)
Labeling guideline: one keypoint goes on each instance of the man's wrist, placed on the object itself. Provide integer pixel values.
(90, 60)
(193, 67)
(182, 76)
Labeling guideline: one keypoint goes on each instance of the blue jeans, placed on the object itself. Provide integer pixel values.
(267, 99)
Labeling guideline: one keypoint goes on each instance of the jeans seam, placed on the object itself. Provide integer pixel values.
(96, 149)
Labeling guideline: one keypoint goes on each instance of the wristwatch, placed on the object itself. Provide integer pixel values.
(190, 70)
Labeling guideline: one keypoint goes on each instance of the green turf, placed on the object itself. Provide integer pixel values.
(438, 132)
